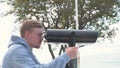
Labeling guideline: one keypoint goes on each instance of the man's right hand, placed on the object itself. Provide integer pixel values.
(72, 52)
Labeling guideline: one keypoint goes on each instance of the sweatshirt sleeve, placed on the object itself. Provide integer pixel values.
(59, 62)
(22, 59)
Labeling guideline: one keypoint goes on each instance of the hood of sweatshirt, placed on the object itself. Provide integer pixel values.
(18, 40)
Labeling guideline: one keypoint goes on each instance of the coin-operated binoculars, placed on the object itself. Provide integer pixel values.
(71, 37)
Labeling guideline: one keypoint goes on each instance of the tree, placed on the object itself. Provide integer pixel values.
(60, 14)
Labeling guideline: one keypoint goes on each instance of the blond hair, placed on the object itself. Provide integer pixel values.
(28, 25)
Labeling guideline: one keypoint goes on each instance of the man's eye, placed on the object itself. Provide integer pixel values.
(41, 34)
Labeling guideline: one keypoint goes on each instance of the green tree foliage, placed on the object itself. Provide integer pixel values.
(93, 14)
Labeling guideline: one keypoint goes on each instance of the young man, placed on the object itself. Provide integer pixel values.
(19, 54)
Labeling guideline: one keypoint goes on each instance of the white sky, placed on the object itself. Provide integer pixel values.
(98, 55)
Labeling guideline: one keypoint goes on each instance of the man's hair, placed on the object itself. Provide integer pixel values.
(28, 25)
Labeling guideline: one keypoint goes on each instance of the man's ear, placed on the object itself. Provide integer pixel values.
(27, 33)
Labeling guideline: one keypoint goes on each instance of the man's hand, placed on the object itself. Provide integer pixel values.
(72, 52)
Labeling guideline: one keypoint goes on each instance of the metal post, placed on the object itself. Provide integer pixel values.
(77, 27)
(76, 7)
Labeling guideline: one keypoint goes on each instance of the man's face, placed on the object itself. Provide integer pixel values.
(35, 37)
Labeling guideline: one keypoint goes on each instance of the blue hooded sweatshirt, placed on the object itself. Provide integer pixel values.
(19, 55)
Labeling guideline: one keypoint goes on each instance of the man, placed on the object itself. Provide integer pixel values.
(19, 54)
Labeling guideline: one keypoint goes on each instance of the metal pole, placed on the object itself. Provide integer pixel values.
(76, 8)
(77, 27)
